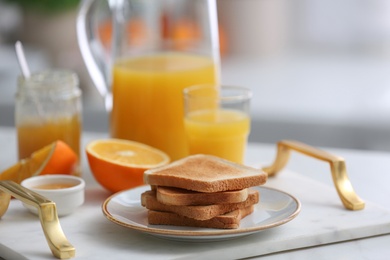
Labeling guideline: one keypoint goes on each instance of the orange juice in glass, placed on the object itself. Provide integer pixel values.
(147, 98)
(217, 121)
(47, 109)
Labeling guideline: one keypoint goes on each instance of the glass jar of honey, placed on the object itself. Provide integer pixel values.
(48, 108)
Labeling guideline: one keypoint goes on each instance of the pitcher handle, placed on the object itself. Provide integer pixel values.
(90, 46)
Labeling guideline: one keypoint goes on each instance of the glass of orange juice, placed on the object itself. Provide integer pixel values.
(48, 108)
(217, 120)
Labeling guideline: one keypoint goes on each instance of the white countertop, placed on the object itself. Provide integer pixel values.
(97, 238)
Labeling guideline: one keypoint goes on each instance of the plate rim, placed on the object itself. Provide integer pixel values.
(195, 233)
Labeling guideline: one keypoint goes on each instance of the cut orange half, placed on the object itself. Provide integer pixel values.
(55, 158)
(119, 164)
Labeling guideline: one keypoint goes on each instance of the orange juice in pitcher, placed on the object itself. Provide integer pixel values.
(147, 95)
(141, 55)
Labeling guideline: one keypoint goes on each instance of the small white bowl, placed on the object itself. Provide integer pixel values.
(66, 191)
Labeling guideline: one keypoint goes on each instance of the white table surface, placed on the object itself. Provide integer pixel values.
(368, 172)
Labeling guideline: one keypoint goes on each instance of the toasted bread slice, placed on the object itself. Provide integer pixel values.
(229, 220)
(205, 173)
(149, 200)
(182, 197)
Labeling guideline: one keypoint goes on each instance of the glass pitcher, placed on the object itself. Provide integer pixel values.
(141, 54)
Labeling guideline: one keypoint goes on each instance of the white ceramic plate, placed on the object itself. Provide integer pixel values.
(275, 208)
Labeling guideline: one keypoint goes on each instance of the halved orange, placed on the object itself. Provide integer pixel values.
(55, 158)
(119, 164)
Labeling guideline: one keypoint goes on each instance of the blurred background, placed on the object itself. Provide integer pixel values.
(319, 69)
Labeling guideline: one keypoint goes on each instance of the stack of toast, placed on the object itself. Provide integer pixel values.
(201, 191)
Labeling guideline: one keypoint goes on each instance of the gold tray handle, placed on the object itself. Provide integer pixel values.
(47, 211)
(338, 168)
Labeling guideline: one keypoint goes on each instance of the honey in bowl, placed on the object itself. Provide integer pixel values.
(66, 191)
(54, 186)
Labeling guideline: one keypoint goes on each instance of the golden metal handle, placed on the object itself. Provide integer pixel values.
(338, 168)
(47, 211)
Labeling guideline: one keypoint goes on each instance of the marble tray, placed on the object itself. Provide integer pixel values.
(322, 220)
